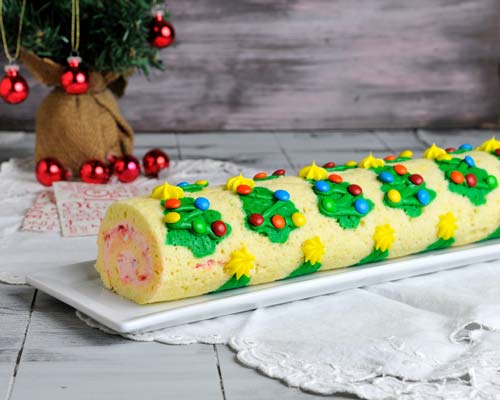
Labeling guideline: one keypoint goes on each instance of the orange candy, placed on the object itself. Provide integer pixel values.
(390, 157)
(457, 177)
(400, 169)
(260, 175)
(278, 221)
(335, 178)
(172, 203)
(244, 189)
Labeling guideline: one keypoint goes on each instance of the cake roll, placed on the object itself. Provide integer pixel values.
(191, 239)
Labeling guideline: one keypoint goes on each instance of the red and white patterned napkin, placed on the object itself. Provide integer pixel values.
(42, 216)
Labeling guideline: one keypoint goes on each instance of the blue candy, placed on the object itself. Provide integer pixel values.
(182, 184)
(361, 206)
(202, 203)
(282, 195)
(386, 177)
(423, 197)
(469, 161)
(322, 186)
(466, 147)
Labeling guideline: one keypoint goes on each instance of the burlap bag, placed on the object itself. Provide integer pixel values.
(77, 128)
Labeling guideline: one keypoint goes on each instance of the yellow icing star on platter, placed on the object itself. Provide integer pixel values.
(313, 250)
(434, 153)
(235, 181)
(241, 263)
(371, 162)
(313, 172)
(167, 191)
(447, 226)
(384, 237)
(490, 145)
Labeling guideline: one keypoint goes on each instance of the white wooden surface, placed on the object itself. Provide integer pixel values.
(47, 353)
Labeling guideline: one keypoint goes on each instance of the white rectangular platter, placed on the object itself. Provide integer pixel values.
(79, 286)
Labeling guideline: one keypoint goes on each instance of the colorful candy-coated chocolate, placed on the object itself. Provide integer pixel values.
(328, 204)
(278, 221)
(202, 203)
(354, 189)
(183, 183)
(400, 169)
(199, 226)
(390, 157)
(298, 219)
(256, 219)
(279, 172)
(172, 203)
(281, 195)
(492, 181)
(322, 186)
(329, 164)
(457, 177)
(361, 206)
(386, 177)
(172, 217)
(219, 228)
(244, 189)
(406, 154)
(497, 152)
(423, 197)
(260, 175)
(351, 163)
(416, 179)
(202, 182)
(450, 149)
(335, 178)
(394, 195)
(465, 146)
(471, 180)
(469, 161)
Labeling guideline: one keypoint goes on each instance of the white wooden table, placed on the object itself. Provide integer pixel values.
(47, 353)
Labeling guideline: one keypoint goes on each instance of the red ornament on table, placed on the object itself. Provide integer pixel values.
(126, 168)
(13, 87)
(74, 79)
(50, 170)
(154, 161)
(94, 171)
(161, 32)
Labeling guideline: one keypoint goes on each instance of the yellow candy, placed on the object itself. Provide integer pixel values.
(171, 218)
(202, 182)
(298, 219)
(351, 164)
(394, 196)
(406, 154)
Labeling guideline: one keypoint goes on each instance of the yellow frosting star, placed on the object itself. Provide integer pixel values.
(490, 145)
(434, 152)
(313, 172)
(235, 181)
(371, 162)
(384, 237)
(447, 226)
(167, 191)
(241, 263)
(313, 250)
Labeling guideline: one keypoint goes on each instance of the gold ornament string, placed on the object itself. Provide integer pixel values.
(19, 33)
(75, 25)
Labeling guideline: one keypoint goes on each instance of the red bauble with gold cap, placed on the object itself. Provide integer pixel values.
(161, 32)
(74, 79)
(13, 87)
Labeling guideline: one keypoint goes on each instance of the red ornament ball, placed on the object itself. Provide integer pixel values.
(94, 171)
(471, 180)
(161, 32)
(154, 161)
(219, 228)
(74, 79)
(13, 87)
(50, 170)
(256, 219)
(416, 179)
(279, 172)
(329, 164)
(126, 168)
(355, 190)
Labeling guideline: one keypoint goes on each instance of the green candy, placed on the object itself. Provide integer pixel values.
(492, 181)
(328, 204)
(200, 226)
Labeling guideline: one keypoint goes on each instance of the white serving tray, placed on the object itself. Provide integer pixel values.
(79, 286)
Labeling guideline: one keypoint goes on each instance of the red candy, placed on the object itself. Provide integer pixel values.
(471, 180)
(278, 221)
(497, 152)
(244, 189)
(256, 219)
(416, 179)
(279, 172)
(172, 203)
(335, 178)
(390, 157)
(355, 190)
(329, 164)
(450, 149)
(457, 177)
(219, 228)
(400, 169)
(260, 175)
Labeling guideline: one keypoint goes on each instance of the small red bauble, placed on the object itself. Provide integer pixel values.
(161, 32)
(154, 161)
(471, 180)
(13, 87)
(355, 190)
(256, 219)
(416, 179)
(94, 171)
(219, 228)
(126, 168)
(50, 170)
(74, 79)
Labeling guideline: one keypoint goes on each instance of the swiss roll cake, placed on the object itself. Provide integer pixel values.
(191, 239)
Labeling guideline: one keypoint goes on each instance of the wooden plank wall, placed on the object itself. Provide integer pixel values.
(317, 64)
